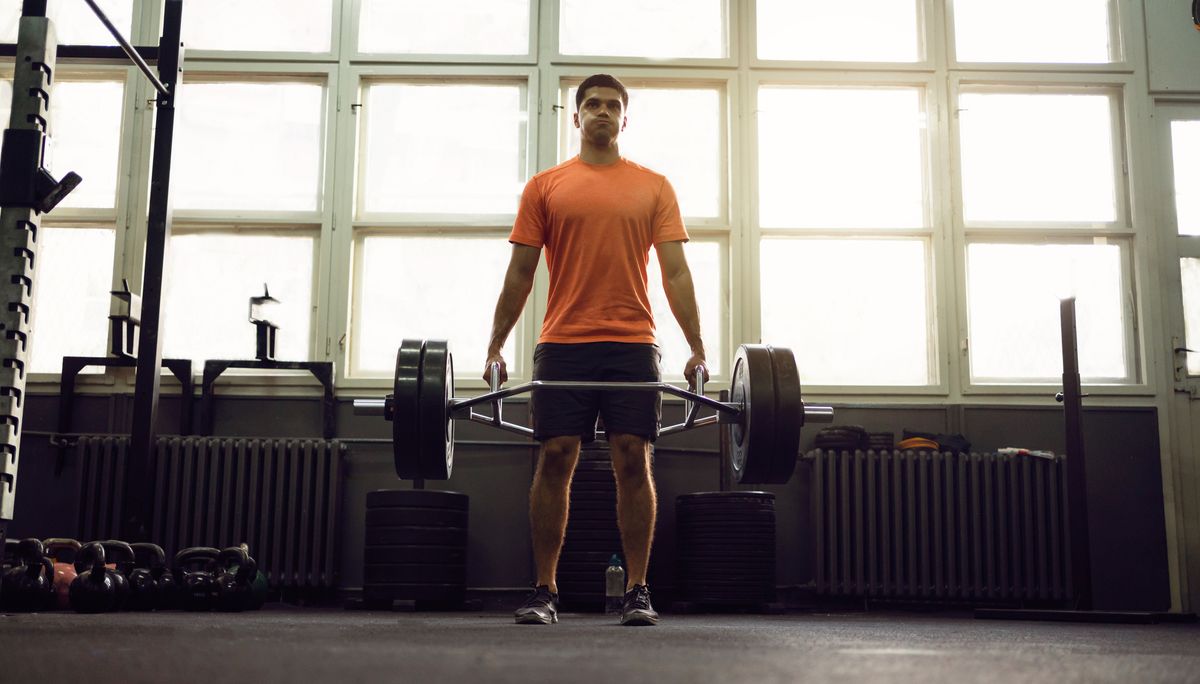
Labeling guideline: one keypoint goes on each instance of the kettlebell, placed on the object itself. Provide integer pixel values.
(28, 586)
(63, 553)
(259, 586)
(120, 560)
(235, 572)
(95, 587)
(194, 571)
(145, 592)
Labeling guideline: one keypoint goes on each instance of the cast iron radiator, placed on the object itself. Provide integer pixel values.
(979, 528)
(280, 496)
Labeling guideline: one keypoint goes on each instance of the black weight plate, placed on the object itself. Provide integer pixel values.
(432, 555)
(789, 413)
(609, 505)
(437, 429)
(406, 418)
(587, 557)
(727, 531)
(415, 535)
(414, 573)
(715, 497)
(717, 550)
(759, 516)
(752, 438)
(420, 498)
(408, 515)
(723, 508)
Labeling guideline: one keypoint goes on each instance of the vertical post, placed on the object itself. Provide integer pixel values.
(725, 477)
(1077, 508)
(19, 226)
(139, 472)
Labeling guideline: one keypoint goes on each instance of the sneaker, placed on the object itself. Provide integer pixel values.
(636, 611)
(541, 608)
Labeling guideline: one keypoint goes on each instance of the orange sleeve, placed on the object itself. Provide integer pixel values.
(668, 222)
(530, 225)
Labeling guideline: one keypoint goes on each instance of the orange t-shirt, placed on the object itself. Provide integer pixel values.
(597, 223)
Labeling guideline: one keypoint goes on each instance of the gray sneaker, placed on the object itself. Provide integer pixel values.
(541, 608)
(636, 610)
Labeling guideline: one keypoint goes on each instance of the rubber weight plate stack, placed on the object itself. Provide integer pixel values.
(726, 547)
(592, 533)
(416, 547)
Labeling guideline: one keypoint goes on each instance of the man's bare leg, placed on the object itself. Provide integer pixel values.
(637, 504)
(549, 504)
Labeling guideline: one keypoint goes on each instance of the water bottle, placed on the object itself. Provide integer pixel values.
(614, 586)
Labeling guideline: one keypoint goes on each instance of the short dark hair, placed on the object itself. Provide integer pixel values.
(602, 81)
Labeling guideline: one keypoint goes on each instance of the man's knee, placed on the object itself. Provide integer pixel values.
(630, 457)
(557, 458)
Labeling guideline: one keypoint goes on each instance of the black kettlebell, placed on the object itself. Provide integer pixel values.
(29, 585)
(94, 589)
(235, 574)
(120, 555)
(145, 592)
(194, 571)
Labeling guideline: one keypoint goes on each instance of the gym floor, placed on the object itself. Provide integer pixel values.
(286, 644)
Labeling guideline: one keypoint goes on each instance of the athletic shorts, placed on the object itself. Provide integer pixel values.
(559, 412)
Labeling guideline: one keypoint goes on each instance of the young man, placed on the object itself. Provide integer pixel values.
(597, 215)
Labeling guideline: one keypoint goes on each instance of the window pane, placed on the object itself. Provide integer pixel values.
(248, 146)
(704, 260)
(819, 30)
(1189, 271)
(85, 122)
(1032, 31)
(71, 295)
(686, 149)
(643, 28)
(469, 27)
(262, 25)
(403, 292)
(1185, 156)
(1037, 157)
(210, 280)
(428, 148)
(875, 331)
(1013, 301)
(74, 22)
(841, 158)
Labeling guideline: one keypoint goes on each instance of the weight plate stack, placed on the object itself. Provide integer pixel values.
(726, 547)
(592, 533)
(416, 547)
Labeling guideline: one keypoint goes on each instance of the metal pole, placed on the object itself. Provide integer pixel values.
(19, 224)
(139, 473)
(129, 49)
(1077, 507)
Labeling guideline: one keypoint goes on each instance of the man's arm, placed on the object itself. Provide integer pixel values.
(681, 295)
(518, 281)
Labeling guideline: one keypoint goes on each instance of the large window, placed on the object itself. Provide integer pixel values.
(644, 28)
(71, 295)
(259, 26)
(1189, 270)
(466, 27)
(1067, 31)
(1185, 158)
(824, 31)
(74, 22)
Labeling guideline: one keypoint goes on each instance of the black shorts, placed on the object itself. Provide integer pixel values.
(558, 413)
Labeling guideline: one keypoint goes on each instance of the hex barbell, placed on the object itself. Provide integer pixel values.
(765, 410)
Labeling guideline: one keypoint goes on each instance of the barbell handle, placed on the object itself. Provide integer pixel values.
(818, 413)
(498, 404)
(690, 409)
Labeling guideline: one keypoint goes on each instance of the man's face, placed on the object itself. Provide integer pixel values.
(601, 116)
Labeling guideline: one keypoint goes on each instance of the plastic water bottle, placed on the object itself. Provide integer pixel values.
(614, 586)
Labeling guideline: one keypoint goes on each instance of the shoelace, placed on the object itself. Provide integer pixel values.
(641, 597)
(539, 596)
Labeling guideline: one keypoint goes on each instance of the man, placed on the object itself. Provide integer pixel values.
(597, 215)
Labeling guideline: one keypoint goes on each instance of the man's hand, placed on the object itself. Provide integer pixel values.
(494, 357)
(689, 369)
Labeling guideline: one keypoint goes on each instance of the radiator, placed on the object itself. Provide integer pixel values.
(980, 528)
(282, 497)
